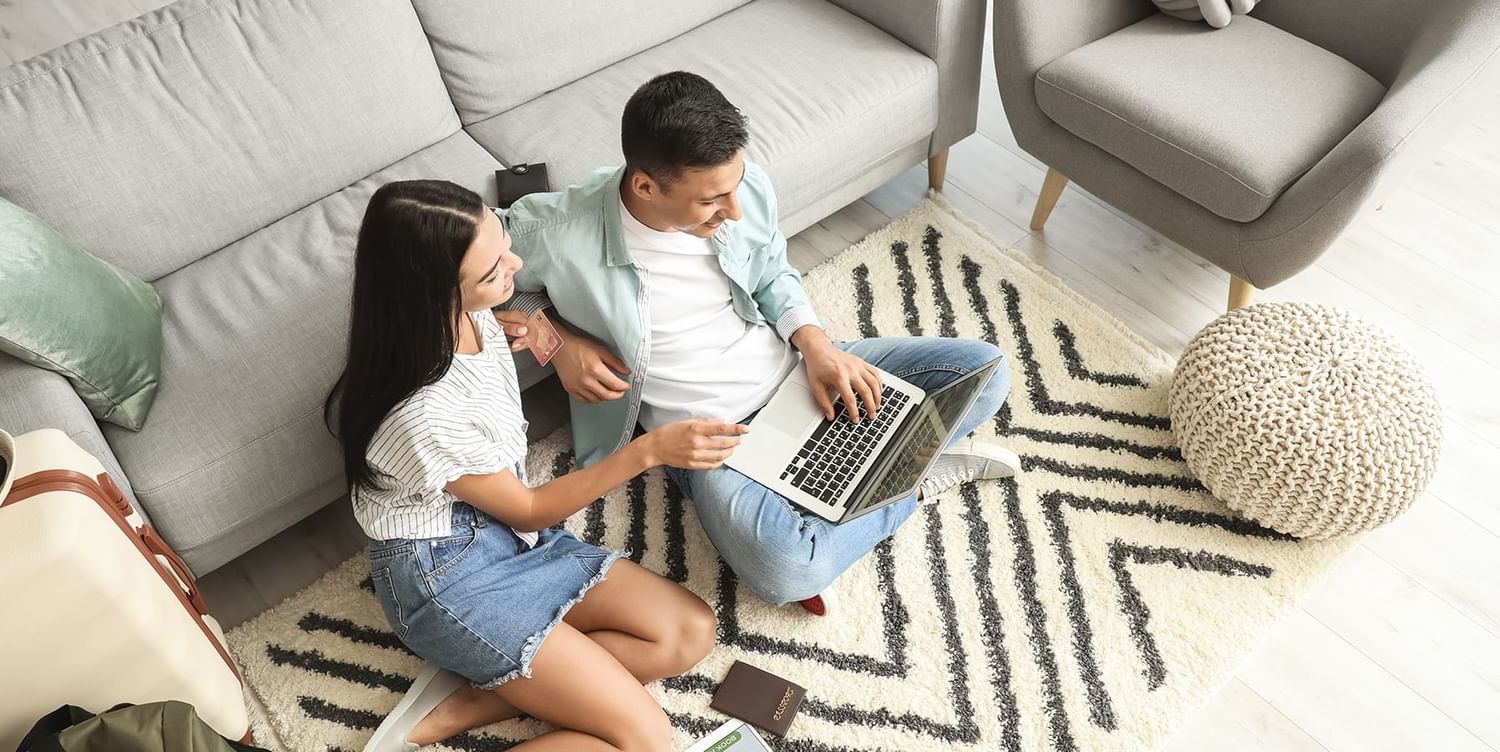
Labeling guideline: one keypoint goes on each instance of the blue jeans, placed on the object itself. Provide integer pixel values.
(480, 601)
(783, 554)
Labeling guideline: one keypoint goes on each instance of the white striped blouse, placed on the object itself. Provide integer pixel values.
(468, 422)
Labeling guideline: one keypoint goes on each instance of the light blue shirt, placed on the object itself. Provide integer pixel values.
(573, 245)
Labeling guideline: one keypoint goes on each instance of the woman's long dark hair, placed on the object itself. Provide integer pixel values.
(402, 312)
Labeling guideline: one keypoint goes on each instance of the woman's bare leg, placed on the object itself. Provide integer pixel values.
(579, 687)
(653, 626)
(468, 708)
(666, 639)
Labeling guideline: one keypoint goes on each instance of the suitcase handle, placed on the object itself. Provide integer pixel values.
(102, 490)
(159, 547)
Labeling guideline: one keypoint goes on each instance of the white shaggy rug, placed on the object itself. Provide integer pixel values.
(1091, 604)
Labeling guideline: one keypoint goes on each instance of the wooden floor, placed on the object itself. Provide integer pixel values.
(1400, 649)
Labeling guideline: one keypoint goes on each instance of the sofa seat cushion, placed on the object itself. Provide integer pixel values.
(1229, 118)
(827, 95)
(253, 338)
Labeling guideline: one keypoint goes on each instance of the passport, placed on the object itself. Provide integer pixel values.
(759, 698)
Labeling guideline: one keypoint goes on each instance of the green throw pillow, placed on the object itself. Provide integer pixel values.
(67, 311)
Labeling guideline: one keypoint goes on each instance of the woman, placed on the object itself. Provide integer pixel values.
(513, 615)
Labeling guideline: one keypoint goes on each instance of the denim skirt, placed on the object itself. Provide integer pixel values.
(480, 601)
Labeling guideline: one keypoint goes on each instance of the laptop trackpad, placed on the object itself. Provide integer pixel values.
(784, 414)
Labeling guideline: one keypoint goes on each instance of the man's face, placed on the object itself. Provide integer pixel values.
(699, 200)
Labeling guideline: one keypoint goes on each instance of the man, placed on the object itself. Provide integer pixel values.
(675, 264)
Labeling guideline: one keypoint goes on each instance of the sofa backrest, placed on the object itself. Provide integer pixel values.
(497, 54)
(165, 138)
(1372, 34)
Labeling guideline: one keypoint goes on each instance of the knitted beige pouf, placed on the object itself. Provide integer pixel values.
(1305, 419)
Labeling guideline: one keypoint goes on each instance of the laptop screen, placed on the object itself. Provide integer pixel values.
(933, 420)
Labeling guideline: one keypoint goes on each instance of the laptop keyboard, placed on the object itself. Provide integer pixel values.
(830, 459)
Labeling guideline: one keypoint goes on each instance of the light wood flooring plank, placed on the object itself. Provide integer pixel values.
(1417, 637)
(1449, 554)
(1458, 244)
(1463, 186)
(1465, 477)
(1344, 700)
(1422, 287)
(1236, 719)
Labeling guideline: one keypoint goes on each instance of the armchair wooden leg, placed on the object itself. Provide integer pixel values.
(937, 170)
(1052, 188)
(1240, 292)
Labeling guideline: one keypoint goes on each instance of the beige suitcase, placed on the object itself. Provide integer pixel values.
(97, 609)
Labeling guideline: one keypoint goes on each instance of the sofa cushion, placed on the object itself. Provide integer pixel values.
(163, 139)
(827, 96)
(1229, 118)
(497, 55)
(254, 337)
(66, 311)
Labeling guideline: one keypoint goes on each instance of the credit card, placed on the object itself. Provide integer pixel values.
(543, 336)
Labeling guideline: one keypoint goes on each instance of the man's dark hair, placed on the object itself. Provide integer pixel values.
(678, 121)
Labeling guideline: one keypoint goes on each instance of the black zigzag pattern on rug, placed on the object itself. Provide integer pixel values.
(1068, 346)
(1122, 554)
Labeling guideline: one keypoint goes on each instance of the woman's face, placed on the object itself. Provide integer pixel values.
(486, 276)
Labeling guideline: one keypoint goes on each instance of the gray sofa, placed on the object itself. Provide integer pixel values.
(225, 150)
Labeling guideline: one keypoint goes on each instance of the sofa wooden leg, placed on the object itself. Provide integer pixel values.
(1052, 188)
(1240, 292)
(937, 170)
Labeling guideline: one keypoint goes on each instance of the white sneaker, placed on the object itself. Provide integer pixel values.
(969, 459)
(428, 690)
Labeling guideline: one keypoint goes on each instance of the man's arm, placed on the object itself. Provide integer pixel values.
(779, 293)
(781, 298)
(587, 369)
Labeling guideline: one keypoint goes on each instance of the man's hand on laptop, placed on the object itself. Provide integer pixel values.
(831, 371)
(588, 370)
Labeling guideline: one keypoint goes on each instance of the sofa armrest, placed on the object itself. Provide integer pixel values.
(33, 398)
(1451, 63)
(1029, 34)
(951, 32)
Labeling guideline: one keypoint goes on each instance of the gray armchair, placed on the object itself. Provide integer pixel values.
(1255, 145)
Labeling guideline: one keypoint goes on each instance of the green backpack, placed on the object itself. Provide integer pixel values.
(169, 726)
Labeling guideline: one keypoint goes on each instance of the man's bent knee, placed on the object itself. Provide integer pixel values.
(785, 581)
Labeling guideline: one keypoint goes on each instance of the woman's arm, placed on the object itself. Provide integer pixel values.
(693, 444)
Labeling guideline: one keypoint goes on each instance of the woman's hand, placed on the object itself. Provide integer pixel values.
(514, 324)
(697, 444)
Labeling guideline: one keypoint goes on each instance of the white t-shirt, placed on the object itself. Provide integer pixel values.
(468, 422)
(705, 361)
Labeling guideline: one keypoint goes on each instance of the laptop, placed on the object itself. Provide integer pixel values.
(838, 469)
